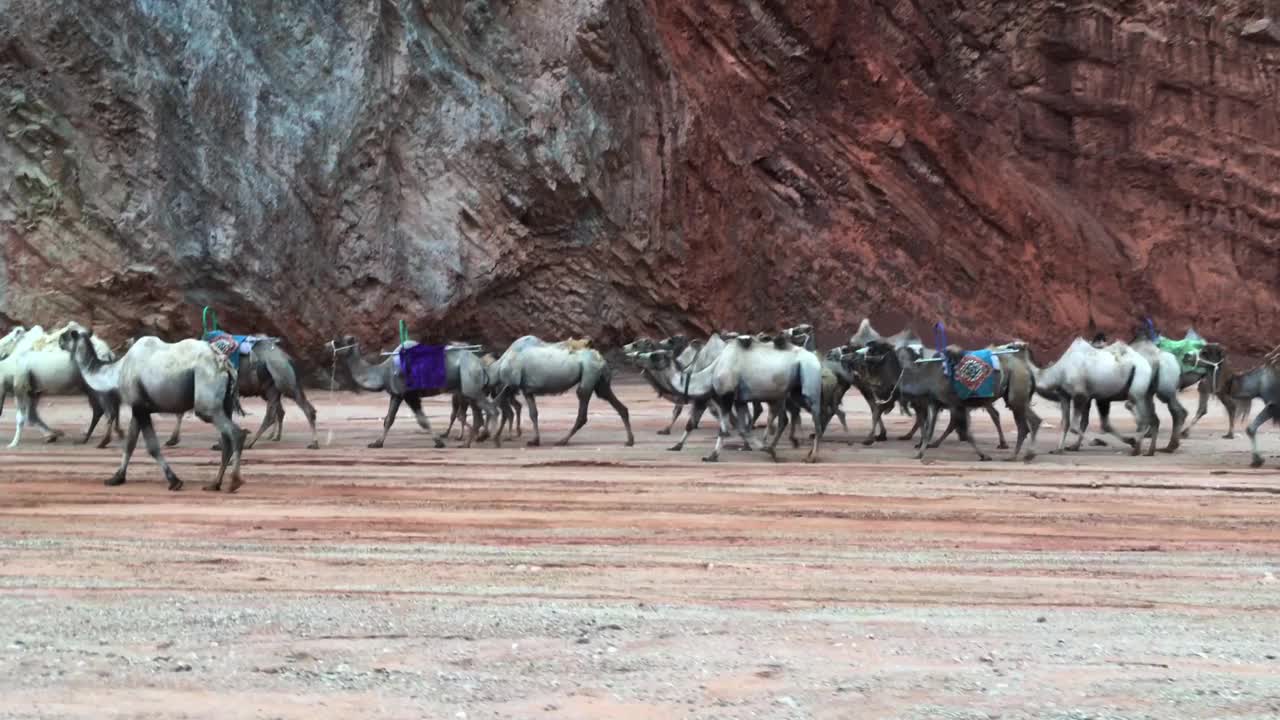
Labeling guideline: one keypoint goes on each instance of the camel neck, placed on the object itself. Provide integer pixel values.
(367, 376)
(100, 375)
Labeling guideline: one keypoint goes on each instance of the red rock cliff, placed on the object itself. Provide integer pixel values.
(617, 167)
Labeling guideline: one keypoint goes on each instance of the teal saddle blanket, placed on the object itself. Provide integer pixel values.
(976, 375)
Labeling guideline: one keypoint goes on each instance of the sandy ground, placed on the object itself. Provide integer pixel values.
(598, 581)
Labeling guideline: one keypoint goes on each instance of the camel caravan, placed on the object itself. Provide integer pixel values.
(736, 377)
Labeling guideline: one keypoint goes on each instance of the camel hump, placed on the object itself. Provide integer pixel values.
(744, 340)
(578, 344)
(781, 342)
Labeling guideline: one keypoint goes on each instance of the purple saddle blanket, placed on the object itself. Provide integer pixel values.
(423, 367)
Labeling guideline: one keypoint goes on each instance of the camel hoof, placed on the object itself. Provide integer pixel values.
(631, 442)
(439, 443)
(1002, 446)
(235, 485)
(883, 437)
(666, 431)
(52, 438)
(1098, 442)
(984, 458)
(868, 442)
(935, 445)
(1256, 462)
(1169, 450)
(533, 443)
(217, 446)
(105, 441)
(675, 448)
(82, 440)
(1028, 457)
(1131, 442)
(1229, 436)
(313, 445)
(171, 443)
(810, 459)
(710, 458)
(1056, 452)
(375, 444)
(904, 438)
(114, 480)
(175, 484)
(1073, 448)
(1186, 434)
(211, 487)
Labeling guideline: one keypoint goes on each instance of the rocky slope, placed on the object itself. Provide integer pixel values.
(612, 167)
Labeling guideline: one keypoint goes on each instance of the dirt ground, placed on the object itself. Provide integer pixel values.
(598, 581)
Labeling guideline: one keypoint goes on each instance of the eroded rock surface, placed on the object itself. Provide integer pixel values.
(611, 167)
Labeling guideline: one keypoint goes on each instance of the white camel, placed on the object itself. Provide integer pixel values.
(35, 367)
(749, 370)
(159, 377)
(532, 367)
(1114, 373)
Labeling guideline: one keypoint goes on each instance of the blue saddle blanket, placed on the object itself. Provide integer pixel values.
(423, 368)
(975, 375)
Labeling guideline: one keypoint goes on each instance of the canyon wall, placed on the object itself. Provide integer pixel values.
(619, 167)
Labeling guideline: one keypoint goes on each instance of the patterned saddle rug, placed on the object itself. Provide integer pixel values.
(233, 346)
(1187, 350)
(975, 374)
(423, 367)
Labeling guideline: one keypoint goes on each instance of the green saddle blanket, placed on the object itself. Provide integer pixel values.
(1187, 350)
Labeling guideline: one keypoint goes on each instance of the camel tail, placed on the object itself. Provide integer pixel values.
(231, 397)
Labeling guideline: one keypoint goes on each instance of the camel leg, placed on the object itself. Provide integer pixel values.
(113, 423)
(604, 391)
(95, 408)
(1082, 407)
(771, 442)
(1233, 411)
(533, 418)
(1269, 411)
(1204, 390)
(130, 442)
(176, 436)
(153, 447)
(926, 431)
(995, 420)
(1148, 408)
(33, 417)
(279, 427)
(455, 409)
(233, 445)
(723, 411)
(812, 457)
(794, 413)
(268, 420)
(19, 408)
(519, 411)
(745, 427)
(917, 424)
(695, 414)
(1019, 424)
(392, 408)
(952, 424)
(961, 414)
(1065, 403)
(1179, 414)
(476, 415)
(675, 415)
(584, 399)
(415, 404)
(309, 410)
(757, 408)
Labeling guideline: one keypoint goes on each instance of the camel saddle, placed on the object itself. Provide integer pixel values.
(423, 367)
(1187, 350)
(233, 346)
(976, 374)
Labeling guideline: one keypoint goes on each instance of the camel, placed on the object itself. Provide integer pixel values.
(836, 378)
(1261, 382)
(686, 355)
(36, 366)
(748, 370)
(270, 373)
(464, 374)
(1207, 368)
(533, 367)
(459, 407)
(159, 377)
(928, 387)
(1087, 373)
(1168, 382)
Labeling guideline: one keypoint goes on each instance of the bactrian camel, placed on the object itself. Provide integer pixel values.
(464, 373)
(533, 367)
(159, 377)
(1114, 373)
(268, 372)
(36, 366)
(1261, 382)
(749, 370)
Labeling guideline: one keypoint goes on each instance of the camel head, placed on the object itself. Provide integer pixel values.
(10, 341)
(655, 360)
(74, 335)
(639, 345)
(674, 344)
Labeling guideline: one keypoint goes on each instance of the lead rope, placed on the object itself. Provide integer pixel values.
(333, 380)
